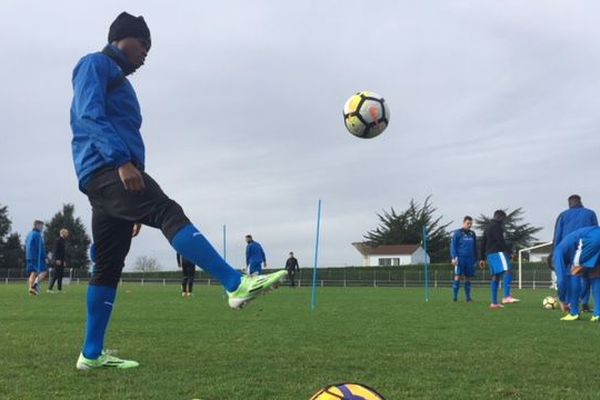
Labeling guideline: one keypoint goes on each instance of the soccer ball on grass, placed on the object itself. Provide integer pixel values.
(550, 303)
(348, 391)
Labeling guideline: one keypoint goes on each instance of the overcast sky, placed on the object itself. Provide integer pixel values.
(494, 104)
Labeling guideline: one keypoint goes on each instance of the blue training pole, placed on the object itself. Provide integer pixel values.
(426, 264)
(314, 282)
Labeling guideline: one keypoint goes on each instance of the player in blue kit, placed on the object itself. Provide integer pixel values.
(255, 256)
(496, 254)
(576, 217)
(579, 253)
(35, 252)
(463, 251)
(109, 159)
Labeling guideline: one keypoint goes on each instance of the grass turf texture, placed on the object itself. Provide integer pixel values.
(277, 349)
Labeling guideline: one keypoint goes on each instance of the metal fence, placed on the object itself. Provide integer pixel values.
(535, 278)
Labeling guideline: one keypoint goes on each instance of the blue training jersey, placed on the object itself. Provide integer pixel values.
(564, 253)
(572, 219)
(105, 123)
(463, 244)
(35, 249)
(255, 253)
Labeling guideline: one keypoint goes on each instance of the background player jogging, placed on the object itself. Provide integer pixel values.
(255, 256)
(35, 257)
(109, 157)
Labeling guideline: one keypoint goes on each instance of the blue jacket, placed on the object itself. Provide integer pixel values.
(564, 253)
(463, 244)
(255, 253)
(572, 219)
(35, 250)
(105, 117)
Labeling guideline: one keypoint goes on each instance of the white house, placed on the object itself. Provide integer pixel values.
(540, 254)
(391, 255)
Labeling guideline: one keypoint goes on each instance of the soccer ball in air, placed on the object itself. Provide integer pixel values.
(347, 391)
(366, 115)
(550, 303)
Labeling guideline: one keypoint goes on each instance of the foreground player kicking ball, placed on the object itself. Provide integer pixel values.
(108, 153)
(579, 254)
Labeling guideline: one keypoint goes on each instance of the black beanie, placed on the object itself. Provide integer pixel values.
(126, 25)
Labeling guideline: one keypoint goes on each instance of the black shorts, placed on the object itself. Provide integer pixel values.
(189, 270)
(115, 211)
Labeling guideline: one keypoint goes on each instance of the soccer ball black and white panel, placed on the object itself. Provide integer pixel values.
(366, 114)
(550, 303)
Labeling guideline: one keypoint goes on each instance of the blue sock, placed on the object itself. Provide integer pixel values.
(455, 287)
(494, 286)
(564, 283)
(507, 282)
(575, 294)
(585, 291)
(595, 284)
(192, 244)
(100, 300)
(468, 290)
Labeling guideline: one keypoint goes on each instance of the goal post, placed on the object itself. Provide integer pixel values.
(528, 249)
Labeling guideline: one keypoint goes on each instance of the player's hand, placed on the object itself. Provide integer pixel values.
(136, 229)
(482, 264)
(455, 262)
(131, 177)
(564, 307)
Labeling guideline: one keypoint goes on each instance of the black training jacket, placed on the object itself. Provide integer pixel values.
(59, 250)
(493, 240)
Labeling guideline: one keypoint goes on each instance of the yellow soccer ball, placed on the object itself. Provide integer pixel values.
(347, 391)
(366, 115)
(550, 303)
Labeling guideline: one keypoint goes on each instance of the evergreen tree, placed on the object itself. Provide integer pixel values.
(13, 252)
(518, 235)
(78, 243)
(5, 225)
(407, 228)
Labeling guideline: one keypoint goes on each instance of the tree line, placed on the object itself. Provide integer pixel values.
(406, 227)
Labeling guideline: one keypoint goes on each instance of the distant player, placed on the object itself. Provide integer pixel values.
(59, 260)
(109, 158)
(496, 253)
(189, 273)
(292, 267)
(463, 251)
(255, 256)
(35, 254)
(573, 290)
(579, 253)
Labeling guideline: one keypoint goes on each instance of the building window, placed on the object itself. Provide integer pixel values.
(389, 262)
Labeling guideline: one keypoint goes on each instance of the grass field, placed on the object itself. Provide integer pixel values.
(278, 349)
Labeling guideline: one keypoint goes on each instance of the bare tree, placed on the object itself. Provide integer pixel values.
(146, 264)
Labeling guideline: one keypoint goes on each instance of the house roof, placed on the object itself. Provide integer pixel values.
(387, 250)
